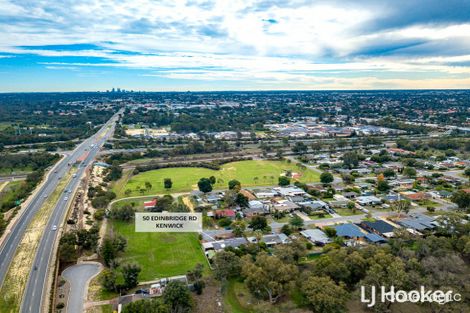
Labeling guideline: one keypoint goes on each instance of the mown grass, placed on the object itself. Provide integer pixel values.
(249, 173)
(159, 254)
(348, 212)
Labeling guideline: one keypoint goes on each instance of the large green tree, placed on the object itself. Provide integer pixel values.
(204, 185)
(234, 184)
(324, 295)
(462, 199)
(177, 297)
(268, 277)
(130, 272)
(326, 178)
(226, 264)
(258, 223)
(350, 159)
(401, 206)
(167, 183)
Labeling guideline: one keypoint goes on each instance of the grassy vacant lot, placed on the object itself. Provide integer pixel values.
(249, 173)
(348, 212)
(159, 254)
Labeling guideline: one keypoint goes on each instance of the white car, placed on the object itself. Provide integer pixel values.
(54, 227)
(66, 198)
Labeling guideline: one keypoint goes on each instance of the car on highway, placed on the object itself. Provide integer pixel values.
(66, 198)
(45, 196)
(54, 227)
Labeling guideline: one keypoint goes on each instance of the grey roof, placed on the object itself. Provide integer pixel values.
(349, 231)
(419, 222)
(368, 199)
(273, 239)
(316, 235)
(375, 238)
(313, 204)
(233, 242)
(411, 223)
(256, 204)
(297, 199)
(380, 226)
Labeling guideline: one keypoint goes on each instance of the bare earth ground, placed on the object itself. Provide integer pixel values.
(208, 301)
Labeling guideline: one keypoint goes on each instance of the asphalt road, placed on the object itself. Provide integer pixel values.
(35, 293)
(78, 277)
(34, 296)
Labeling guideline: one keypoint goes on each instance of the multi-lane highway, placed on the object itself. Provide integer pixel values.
(34, 295)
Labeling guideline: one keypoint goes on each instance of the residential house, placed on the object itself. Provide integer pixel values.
(418, 222)
(272, 239)
(313, 205)
(316, 236)
(284, 206)
(368, 200)
(265, 193)
(256, 207)
(378, 227)
(416, 196)
(392, 197)
(444, 194)
(350, 195)
(225, 213)
(290, 191)
(350, 231)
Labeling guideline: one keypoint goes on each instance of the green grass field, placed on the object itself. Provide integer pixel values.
(348, 212)
(249, 173)
(159, 254)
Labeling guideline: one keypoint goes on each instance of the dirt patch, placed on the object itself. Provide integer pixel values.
(210, 301)
(187, 201)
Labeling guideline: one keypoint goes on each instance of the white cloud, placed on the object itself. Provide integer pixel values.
(230, 40)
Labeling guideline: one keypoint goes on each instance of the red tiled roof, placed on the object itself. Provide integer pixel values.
(225, 213)
(150, 204)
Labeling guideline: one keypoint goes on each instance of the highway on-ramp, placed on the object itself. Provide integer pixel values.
(34, 293)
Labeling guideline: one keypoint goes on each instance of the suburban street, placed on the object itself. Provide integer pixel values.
(34, 296)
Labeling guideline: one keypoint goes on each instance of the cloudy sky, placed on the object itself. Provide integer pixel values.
(64, 45)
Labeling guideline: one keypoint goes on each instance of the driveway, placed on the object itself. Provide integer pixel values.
(78, 277)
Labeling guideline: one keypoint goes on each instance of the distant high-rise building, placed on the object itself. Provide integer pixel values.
(113, 90)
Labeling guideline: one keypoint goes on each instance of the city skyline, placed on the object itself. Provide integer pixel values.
(240, 45)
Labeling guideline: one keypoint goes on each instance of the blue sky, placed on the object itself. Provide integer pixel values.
(88, 45)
